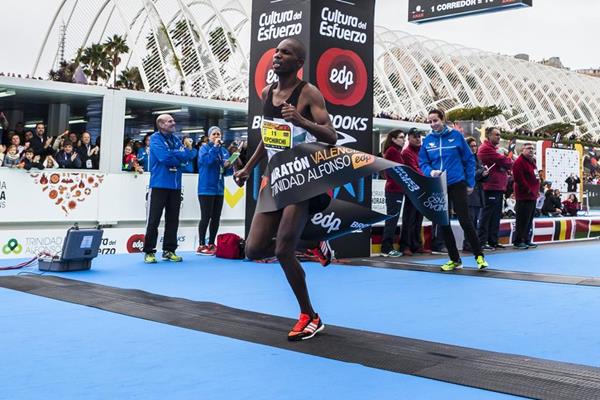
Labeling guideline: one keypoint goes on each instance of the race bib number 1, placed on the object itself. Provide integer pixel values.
(276, 135)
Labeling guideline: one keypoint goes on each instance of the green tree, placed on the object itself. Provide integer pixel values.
(473, 113)
(114, 47)
(130, 78)
(96, 63)
(558, 127)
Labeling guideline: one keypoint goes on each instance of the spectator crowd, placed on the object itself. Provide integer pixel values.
(27, 149)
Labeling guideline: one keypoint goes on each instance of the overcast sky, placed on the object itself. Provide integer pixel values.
(565, 28)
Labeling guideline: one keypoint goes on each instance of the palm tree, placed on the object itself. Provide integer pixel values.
(130, 78)
(95, 62)
(114, 47)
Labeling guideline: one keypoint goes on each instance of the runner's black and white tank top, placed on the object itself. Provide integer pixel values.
(277, 134)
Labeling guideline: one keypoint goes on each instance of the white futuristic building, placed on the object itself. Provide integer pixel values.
(414, 74)
(202, 47)
(179, 46)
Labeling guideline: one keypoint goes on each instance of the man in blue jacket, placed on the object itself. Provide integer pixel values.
(166, 159)
(445, 149)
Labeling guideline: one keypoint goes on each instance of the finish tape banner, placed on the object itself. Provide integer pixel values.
(312, 169)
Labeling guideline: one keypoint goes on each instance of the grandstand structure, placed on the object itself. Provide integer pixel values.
(201, 47)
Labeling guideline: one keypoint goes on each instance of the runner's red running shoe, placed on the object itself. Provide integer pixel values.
(323, 253)
(305, 328)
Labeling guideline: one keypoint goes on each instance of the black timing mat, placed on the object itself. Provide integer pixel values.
(377, 262)
(506, 373)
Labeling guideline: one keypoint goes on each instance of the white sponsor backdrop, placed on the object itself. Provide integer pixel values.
(52, 196)
(30, 198)
(28, 243)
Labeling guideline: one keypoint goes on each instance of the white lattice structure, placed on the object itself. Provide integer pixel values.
(171, 44)
(414, 74)
(180, 46)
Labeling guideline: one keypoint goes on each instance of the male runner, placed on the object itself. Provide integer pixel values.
(302, 106)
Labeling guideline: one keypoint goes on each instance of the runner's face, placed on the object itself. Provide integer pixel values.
(285, 59)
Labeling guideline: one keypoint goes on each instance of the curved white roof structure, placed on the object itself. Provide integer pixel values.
(201, 47)
(414, 74)
(179, 46)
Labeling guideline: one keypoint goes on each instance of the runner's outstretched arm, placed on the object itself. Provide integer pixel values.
(241, 176)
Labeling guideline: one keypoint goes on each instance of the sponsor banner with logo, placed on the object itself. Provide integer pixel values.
(26, 243)
(338, 219)
(271, 23)
(311, 169)
(342, 45)
(51, 196)
(339, 38)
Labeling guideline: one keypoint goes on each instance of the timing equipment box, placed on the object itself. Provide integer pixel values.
(79, 248)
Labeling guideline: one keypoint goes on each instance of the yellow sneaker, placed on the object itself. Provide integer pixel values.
(171, 256)
(451, 265)
(150, 258)
(481, 263)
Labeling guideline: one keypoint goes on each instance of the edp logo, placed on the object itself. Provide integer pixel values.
(342, 76)
(272, 77)
(329, 221)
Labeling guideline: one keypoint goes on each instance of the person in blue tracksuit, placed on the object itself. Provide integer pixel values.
(212, 168)
(166, 159)
(446, 150)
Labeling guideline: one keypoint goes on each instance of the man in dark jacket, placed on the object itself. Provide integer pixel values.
(572, 181)
(89, 154)
(526, 188)
(40, 143)
(494, 187)
(476, 200)
(167, 158)
(412, 219)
